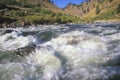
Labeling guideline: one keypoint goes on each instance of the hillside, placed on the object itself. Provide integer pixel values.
(93, 10)
(32, 12)
(46, 4)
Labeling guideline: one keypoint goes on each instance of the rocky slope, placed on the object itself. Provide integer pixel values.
(91, 10)
(46, 4)
(45, 11)
(32, 12)
(95, 9)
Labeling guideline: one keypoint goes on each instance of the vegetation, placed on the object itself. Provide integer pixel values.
(110, 0)
(105, 16)
(23, 12)
(6, 20)
(43, 16)
(100, 1)
(97, 9)
(7, 2)
(2, 5)
(118, 9)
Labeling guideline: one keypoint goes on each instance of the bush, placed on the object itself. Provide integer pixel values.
(33, 19)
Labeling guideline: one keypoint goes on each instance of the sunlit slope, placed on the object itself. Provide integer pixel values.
(108, 11)
(93, 10)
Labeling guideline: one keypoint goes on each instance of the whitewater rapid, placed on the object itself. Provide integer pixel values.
(62, 52)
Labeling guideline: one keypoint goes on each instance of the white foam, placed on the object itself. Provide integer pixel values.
(74, 55)
(79, 47)
(15, 40)
(51, 64)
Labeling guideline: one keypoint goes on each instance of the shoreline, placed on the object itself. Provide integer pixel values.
(109, 21)
(16, 25)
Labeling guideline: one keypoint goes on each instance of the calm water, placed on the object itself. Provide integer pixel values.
(61, 52)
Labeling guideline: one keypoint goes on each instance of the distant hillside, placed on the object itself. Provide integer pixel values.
(93, 10)
(46, 4)
(32, 12)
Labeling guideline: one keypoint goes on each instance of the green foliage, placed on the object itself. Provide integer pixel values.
(100, 1)
(32, 19)
(8, 2)
(14, 13)
(42, 16)
(4, 3)
(32, 14)
(118, 9)
(97, 9)
(23, 1)
(105, 16)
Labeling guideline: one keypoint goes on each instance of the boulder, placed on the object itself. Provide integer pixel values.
(25, 51)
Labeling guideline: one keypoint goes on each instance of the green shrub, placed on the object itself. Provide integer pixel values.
(33, 19)
(105, 16)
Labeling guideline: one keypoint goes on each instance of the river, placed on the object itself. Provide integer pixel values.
(61, 52)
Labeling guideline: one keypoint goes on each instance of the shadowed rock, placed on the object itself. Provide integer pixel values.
(10, 31)
(25, 51)
(7, 31)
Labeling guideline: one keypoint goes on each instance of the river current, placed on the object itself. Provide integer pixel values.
(61, 52)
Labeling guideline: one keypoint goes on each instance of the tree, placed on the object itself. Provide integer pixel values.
(97, 9)
(110, 0)
(118, 9)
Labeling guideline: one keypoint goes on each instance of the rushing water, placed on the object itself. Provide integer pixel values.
(61, 52)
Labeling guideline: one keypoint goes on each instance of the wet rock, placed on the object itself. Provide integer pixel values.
(7, 31)
(25, 51)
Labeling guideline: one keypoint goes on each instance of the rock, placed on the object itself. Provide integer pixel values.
(7, 31)
(25, 51)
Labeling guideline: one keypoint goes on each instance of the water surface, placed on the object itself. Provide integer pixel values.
(61, 52)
